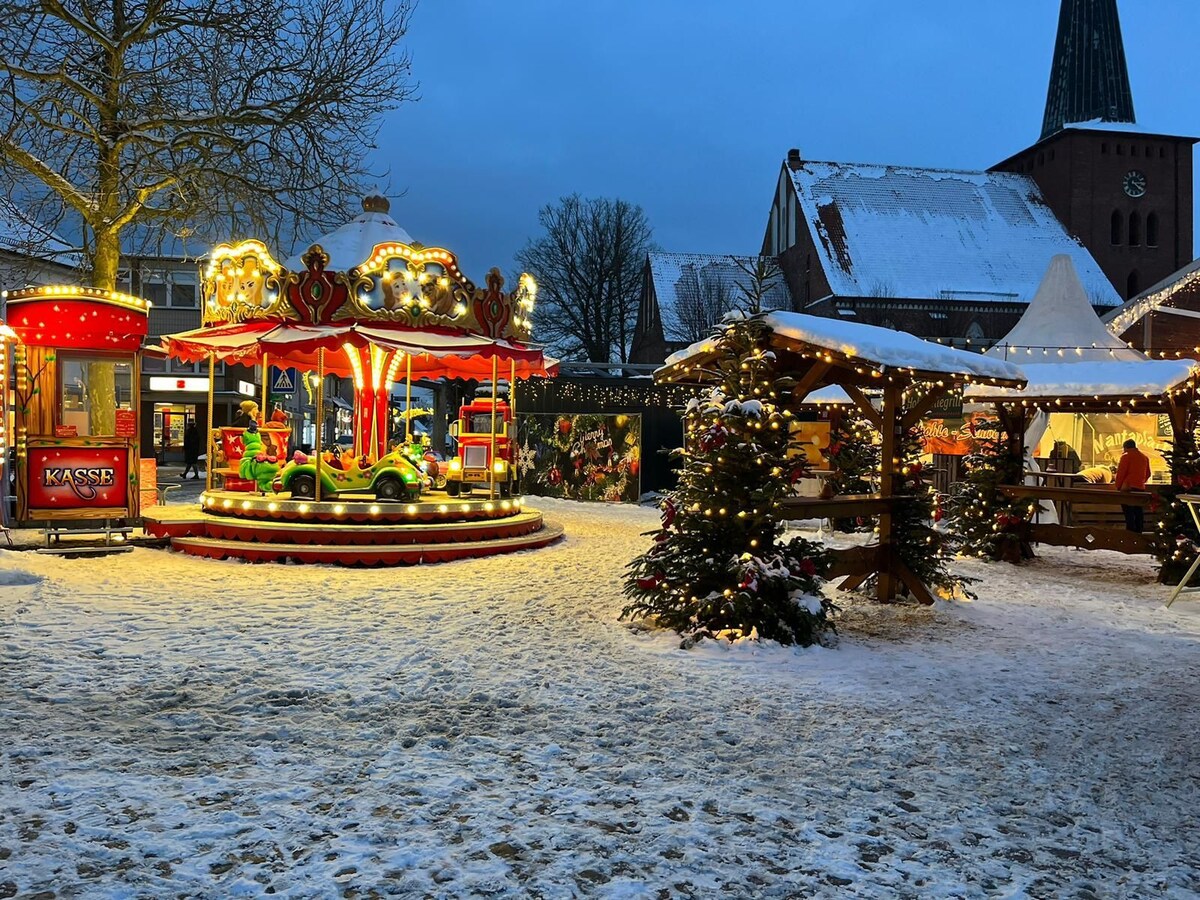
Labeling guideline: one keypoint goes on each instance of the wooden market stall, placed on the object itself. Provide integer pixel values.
(1075, 365)
(907, 374)
(77, 375)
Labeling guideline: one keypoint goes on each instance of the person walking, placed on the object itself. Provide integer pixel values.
(1133, 472)
(191, 450)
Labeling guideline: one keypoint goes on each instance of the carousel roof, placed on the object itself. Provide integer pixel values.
(1060, 324)
(351, 244)
(1095, 379)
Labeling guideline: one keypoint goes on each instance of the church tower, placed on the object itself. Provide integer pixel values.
(1125, 192)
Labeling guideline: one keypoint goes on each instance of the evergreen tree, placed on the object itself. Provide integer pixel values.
(1175, 539)
(718, 567)
(922, 546)
(853, 455)
(987, 524)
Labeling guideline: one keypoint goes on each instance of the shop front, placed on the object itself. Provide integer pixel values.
(77, 391)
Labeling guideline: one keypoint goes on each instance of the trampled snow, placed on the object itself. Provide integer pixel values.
(181, 727)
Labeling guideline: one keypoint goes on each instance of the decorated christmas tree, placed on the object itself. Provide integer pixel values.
(987, 524)
(853, 455)
(1175, 539)
(921, 545)
(718, 567)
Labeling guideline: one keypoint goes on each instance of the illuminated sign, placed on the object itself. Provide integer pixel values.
(78, 478)
(246, 389)
(169, 383)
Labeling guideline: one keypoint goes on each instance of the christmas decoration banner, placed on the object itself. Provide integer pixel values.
(581, 456)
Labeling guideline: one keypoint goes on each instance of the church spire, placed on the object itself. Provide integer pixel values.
(1088, 79)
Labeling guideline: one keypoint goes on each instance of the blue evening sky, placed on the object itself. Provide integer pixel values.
(688, 107)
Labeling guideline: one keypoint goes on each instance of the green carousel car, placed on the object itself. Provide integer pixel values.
(393, 477)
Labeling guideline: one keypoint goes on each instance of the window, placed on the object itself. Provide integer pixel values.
(1133, 149)
(1104, 147)
(91, 389)
(1131, 285)
(1149, 151)
(183, 291)
(1041, 159)
(1135, 229)
(176, 289)
(1051, 154)
(1117, 221)
(1152, 230)
(1162, 152)
(1120, 150)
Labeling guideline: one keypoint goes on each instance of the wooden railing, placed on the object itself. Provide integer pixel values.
(1069, 532)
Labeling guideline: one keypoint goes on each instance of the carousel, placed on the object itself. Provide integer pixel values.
(367, 303)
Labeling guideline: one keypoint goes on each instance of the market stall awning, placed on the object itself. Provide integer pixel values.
(863, 353)
(434, 353)
(1098, 380)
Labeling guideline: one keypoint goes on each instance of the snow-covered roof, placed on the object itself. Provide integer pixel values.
(1060, 324)
(686, 282)
(351, 244)
(20, 233)
(914, 233)
(882, 348)
(830, 395)
(1092, 379)
(1157, 296)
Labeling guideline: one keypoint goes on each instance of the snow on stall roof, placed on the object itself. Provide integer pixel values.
(681, 279)
(887, 348)
(1093, 378)
(351, 244)
(1060, 318)
(830, 395)
(916, 233)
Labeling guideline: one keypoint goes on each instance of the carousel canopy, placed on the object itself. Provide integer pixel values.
(352, 243)
(1061, 324)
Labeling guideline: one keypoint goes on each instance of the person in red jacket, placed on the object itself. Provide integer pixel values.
(1132, 474)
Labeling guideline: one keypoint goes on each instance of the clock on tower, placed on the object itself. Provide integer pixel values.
(1134, 183)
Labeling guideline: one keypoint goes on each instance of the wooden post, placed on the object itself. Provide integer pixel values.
(210, 454)
(320, 418)
(492, 455)
(513, 455)
(886, 586)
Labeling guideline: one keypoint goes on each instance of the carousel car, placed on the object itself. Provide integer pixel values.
(392, 477)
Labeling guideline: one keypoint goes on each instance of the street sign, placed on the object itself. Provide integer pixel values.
(284, 382)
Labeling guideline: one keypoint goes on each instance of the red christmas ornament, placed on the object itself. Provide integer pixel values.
(808, 567)
(648, 584)
(564, 426)
(669, 511)
(555, 477)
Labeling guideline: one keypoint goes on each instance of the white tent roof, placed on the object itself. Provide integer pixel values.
(1060, 325)
(351, 244)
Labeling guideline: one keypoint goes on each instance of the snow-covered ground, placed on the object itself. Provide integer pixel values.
(179, 727)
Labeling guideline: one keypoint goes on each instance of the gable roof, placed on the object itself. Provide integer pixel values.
(682, 279)
(939, 234)
(1060, 324)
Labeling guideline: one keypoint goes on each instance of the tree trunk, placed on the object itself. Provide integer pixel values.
(101, 376)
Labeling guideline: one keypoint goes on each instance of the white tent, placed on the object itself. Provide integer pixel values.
(1060, 325)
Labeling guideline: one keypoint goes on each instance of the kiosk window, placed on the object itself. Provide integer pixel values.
(92, 389)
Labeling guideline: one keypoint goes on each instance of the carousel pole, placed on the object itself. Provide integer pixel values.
(320, 418)
(408, 397)
(266, 375)
(209, 453)
(513, 455)
(492, 454)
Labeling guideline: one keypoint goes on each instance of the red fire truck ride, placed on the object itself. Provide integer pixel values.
(473, 463)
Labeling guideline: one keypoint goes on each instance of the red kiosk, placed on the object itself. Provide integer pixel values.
(77, 373)
(380, 312)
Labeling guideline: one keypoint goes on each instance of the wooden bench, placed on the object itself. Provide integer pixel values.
(1089, 517)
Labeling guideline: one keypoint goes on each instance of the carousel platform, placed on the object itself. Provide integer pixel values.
(349, 531)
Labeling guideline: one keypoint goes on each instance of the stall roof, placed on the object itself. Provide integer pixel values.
(880, 349)
(1091, 380)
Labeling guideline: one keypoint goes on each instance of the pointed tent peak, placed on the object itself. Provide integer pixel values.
(1060, 324)
(1089, 80)
(351, 244)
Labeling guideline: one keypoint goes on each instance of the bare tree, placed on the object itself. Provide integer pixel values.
(160, 117)
(588, 265)
(702, 298)
(761, 284)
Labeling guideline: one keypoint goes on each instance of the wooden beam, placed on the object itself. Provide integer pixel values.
(810, 379)
(924, 405)
(914, 584)
(870, 413)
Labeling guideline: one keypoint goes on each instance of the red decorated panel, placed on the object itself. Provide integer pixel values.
(78, 478)
(77, 323)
